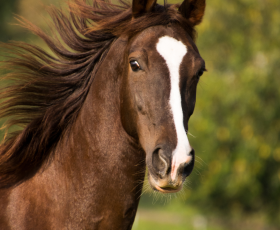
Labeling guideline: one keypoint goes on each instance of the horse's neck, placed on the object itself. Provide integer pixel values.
(103, 166)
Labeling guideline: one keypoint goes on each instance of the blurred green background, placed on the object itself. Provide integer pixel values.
(236, 124)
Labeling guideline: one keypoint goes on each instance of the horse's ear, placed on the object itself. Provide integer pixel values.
(193, 10)
(142, 6)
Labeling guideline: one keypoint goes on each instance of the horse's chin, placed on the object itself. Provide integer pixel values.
(167, 190)
(165, 185)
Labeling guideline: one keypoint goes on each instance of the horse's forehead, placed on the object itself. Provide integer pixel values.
(151, 36)
(171, 50)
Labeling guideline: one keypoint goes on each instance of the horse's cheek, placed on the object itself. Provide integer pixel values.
(139, 103)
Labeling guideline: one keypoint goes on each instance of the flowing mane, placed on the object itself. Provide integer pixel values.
(45, 93)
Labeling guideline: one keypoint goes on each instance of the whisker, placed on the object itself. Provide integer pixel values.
(191, 134)
(200, 159)
(199, 162)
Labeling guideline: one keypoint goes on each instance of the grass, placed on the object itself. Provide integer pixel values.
(170, 215)
(165, 220)
(176, 214)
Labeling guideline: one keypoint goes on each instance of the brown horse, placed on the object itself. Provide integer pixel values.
(115, 97)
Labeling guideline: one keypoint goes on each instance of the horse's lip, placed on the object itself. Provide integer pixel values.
(168, 189)
(163, 188)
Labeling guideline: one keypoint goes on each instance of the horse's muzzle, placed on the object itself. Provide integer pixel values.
(160, 178)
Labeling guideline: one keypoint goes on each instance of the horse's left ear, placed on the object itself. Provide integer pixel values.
(142, 6)
(193, 10)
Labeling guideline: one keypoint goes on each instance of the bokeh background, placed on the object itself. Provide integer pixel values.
(235, 128)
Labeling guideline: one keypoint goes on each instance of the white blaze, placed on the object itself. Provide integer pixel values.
(173, 52)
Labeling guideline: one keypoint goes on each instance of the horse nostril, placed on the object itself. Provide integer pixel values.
(159, 162)
(187, 168)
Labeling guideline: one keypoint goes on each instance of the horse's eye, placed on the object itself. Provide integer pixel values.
(199, 73)
(134, 66)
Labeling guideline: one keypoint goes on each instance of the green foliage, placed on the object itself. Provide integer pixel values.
(236, 120)
(7, 8)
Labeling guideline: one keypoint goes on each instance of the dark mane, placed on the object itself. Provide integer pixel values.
(45, 93)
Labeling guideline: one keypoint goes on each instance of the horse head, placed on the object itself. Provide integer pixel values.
(163, 67)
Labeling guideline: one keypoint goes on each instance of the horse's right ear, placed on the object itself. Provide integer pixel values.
(142, 6)
(193, 10)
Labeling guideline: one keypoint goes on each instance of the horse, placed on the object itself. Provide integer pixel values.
(85, 121)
